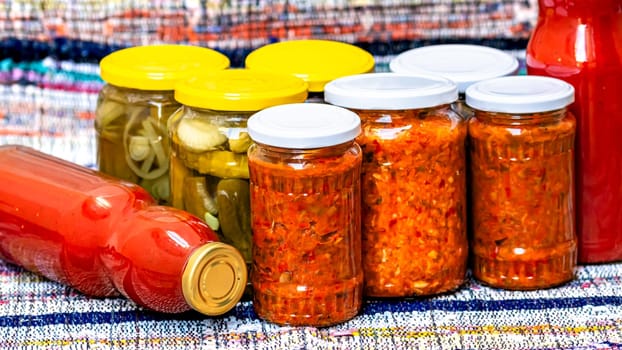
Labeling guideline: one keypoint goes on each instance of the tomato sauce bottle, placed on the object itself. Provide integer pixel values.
(579, 41)
(105, 237)
(305, 170)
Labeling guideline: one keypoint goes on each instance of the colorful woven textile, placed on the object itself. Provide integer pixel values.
(584, 314)
(49, 81)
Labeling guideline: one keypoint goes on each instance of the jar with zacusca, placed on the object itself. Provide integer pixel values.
(209, 144)
(522, 152)
(134, 105)
(305, 204)
(414, 238)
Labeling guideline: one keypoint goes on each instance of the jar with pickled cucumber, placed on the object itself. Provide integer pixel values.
(209, 142)
(315, 61)
(134, 105)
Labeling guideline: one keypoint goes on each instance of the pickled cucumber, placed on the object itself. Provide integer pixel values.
(110, 124)
(159, 188)
(178, 173)
(108, 120)
(146, 155)
(233, 199)
(132, 137)
(197, 199)
(198, 136)
(241, 144)
(222, 164)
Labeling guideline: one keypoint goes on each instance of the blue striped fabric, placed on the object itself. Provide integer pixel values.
(584, 314)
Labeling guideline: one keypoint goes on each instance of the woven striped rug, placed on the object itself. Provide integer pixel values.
(585, 314)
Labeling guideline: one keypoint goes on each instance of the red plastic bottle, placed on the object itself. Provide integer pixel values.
(105, 237)
(580, 41)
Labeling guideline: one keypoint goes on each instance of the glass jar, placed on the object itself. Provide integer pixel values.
(134, 105)
(522, 140)
(413, 181)
(578, 41)
(315, 61)
(209, 143)
(461, 63)
(305, 203)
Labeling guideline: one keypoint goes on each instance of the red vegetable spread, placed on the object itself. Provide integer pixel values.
(522, 174)
(413, 184)
(305, 211)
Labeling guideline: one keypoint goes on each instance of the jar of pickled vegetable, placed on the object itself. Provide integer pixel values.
(305, 205)
(315, 61)
(413, 181)
(209, 143)
(463, 64)
(522, 141)
(134, 105)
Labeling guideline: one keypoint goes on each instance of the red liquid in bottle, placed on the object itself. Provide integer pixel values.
(107, 237)
(580, 41)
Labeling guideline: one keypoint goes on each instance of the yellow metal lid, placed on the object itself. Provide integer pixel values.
(214, 278)
(315, 61)
(240, 90)
(158, 67)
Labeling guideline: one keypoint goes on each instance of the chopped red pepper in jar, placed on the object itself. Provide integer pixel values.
(413, 181)
(523, 203)
(305, 214)
(413, 184)
(522, 164)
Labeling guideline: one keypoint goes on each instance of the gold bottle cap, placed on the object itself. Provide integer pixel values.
(214, 278)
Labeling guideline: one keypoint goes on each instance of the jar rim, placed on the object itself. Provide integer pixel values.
(304, 126)
(390, 91)
(465, 64)
(520, 94)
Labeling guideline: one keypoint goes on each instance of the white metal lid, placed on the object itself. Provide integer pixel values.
(462, 63)
(520, 94)
(304, 125)
(390, 91)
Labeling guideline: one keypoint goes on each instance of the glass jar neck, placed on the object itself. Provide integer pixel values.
(298, 153)
(135, 96)
(578, 8)
(214, 112)
(521, 119)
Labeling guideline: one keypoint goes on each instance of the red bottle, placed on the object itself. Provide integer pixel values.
(580, 41)
(105, 237)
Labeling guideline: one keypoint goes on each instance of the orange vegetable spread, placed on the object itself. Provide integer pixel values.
(522, 175)
(413, 187)
(305, 211)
